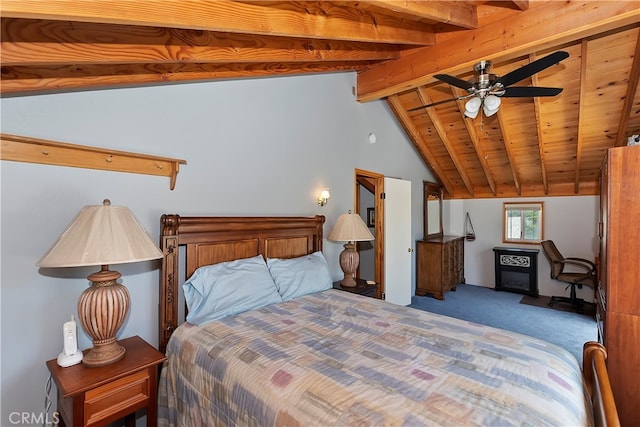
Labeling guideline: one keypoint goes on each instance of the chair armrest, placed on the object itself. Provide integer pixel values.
(581, 262)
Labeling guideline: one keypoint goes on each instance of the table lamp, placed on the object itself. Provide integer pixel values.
(102, 235)
(349, 228)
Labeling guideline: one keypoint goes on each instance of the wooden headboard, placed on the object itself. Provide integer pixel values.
(209, 240)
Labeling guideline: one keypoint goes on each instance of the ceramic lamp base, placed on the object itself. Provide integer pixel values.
(102, 309)
(103, 354)
(349, 260)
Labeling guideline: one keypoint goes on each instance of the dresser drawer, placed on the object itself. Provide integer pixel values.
(123, 394)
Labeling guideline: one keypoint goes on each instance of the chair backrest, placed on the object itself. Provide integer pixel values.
(554, 256)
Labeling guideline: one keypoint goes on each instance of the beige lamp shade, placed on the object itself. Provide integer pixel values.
(349, 228)
(101, 235)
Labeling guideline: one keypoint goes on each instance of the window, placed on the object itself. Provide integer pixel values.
(522, 222)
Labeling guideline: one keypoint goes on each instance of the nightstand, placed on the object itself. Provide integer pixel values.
(99, 396)
(362, 288)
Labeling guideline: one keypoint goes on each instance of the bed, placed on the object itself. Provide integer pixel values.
(329, 357)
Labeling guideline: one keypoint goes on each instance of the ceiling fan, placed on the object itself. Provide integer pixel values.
(485, 89)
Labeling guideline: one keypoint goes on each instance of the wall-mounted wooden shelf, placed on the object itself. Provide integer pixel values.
(32, 150)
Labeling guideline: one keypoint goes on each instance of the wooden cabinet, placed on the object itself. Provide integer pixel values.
(100, 396)
(617, 295)
(440, 265)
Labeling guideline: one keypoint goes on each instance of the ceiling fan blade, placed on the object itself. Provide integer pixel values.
(438, 103)
(532, 68)
(454, 81)
(527, 91)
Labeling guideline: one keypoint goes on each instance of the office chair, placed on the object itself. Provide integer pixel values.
(574, 279)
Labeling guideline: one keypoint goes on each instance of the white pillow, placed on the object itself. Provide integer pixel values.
(219, 290)
(304, 275)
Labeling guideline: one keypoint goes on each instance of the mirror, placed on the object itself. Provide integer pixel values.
(432, 209)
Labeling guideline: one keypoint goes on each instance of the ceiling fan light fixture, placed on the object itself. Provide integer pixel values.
(491, 104)
(471, 114)
(472, 107)
(489, 113)
(485, 88)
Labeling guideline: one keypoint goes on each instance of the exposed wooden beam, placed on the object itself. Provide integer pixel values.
(508, 143)
(475, 139)
(454, 13)
(222, 16)
(632, 87)
(546, 25)
(581, 113)
(56, 42)
(365, 181)
(32, 80)
(414, 134)
(442, 133)
(521, 4)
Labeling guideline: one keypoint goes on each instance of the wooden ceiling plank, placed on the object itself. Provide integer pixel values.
(222, 15)
(536, 108)
(581, 114)
(60, 42)
(544, 26)
(632, 87)
(442, 133)
(414, 135)
(508, 148)
(475, 139)
(454, 13)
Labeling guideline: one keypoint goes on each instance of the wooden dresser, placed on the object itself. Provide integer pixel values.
(439, 264)
(618, 292)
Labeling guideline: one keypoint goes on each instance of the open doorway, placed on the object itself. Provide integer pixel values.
(369, 190)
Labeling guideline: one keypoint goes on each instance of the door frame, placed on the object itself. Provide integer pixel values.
(377, 181)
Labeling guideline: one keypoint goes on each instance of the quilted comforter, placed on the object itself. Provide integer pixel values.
(335, 358)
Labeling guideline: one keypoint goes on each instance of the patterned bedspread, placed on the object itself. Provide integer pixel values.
(335, 358)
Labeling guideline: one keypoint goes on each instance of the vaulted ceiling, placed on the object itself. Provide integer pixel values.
(531, 147)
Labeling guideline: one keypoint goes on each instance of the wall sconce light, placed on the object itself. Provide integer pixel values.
(324, 196)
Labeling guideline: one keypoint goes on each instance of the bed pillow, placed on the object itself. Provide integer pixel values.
(219, 290)
(304, 275)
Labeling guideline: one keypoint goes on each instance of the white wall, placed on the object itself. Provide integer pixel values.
(571, 222)
(253, 147)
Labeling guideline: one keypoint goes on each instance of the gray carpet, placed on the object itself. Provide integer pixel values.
(503, 310)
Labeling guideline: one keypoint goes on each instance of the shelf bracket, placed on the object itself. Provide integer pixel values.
(33, 150)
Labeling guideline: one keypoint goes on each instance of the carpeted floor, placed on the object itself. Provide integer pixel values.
(503, 310)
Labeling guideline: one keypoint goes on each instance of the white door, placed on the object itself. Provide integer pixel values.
(397, 241)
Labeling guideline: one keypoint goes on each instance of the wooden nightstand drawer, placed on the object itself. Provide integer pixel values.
(110, 399)
(99, 396)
